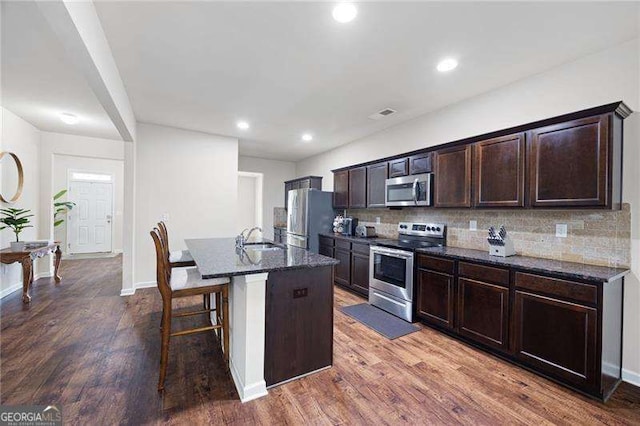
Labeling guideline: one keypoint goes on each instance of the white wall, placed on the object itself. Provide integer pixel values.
(605, 77)
(275, 173)
(22, 139)
(192, 178)
(62, 164)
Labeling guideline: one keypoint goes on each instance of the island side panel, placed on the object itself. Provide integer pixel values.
(246, 335)
(299, 323)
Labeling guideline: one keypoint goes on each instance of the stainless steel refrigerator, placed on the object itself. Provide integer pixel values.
(309, 212)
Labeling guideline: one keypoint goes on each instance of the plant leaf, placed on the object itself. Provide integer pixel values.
(59, 194)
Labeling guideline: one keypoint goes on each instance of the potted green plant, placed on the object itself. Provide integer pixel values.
(16, 220)
(60, 207)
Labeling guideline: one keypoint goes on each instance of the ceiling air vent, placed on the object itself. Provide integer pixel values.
(381, 114)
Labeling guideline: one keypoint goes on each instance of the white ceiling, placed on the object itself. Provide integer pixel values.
(38, 82)
(288, 68)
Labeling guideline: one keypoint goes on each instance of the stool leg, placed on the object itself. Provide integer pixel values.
(225, 323)
(165, 334)
(218, 301)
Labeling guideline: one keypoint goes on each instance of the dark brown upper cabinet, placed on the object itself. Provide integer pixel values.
(420, 163)
(399, 167)
(376, 180)
(358, 188)
(452, 177)
(341, 189)
(313, 182)
(569, 164)
(499, 172)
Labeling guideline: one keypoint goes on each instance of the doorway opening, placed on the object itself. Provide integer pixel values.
(249, 204)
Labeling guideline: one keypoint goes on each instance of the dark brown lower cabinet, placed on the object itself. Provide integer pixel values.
(483, 312)
(360, 273)
(436, 297)
(567, 330)
(298, 323)
(353, 270)
(557, 337)
(342, 271)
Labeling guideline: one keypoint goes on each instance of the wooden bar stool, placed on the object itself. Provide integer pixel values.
(181, 259)
(184, 282)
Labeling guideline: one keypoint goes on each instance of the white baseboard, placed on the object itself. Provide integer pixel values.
(630, 377)
(247, 392)
(146, 284)
(127, 291)
(18, 285)
(7, 291)
(136, 286)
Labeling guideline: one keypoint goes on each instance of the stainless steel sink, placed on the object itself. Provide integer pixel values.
(262, 247)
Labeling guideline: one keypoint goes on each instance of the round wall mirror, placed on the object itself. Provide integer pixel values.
(12, 177)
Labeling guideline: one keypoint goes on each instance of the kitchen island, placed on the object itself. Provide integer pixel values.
(280, 307)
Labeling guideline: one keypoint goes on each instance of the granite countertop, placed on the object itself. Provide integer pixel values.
(218, 257)
(571, 270)
(352, 239)
(280, 226)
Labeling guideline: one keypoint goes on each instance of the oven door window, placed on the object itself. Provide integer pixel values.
(400, 192)
(389, 269)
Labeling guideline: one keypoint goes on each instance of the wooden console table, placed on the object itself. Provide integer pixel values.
(26, 258)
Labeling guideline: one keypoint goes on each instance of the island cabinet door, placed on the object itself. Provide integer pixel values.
(569, 164)
(557, 337)
(483, 312)
(342, 271)
(298, 323)
(436, 297)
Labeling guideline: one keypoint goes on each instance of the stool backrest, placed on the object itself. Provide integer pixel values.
(164, 236)
(163, 271)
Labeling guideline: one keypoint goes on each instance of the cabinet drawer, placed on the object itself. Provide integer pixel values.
(484, 273)
(360, 248)
(568, 289)
(326, 241)
(343, 244)
(436, 263)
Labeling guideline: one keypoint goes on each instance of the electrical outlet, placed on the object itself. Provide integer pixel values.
(561, 230)
(473, 225)
(377, 220)
(165, 217)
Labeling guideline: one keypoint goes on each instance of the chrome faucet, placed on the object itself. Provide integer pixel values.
(241, 239)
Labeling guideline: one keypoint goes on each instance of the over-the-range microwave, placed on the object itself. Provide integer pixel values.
(407, 191)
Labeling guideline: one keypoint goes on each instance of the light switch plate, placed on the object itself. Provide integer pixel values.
(561, 230)
(165, 217)
(473, 225)
(377, 220)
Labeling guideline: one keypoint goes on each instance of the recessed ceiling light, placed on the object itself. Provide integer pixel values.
(69, 118)
(447, 64)
(344, 12)
(243, 125)
(307, 137)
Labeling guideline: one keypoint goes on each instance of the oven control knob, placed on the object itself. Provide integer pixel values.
(428, 228)
(438, 229)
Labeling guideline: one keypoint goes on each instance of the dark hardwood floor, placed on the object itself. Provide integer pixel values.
(82, 346)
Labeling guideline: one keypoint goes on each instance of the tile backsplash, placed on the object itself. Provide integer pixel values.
(279, 217)
(601, 237)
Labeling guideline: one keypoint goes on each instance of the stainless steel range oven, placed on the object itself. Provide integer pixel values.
(391, 262)
(391, 280)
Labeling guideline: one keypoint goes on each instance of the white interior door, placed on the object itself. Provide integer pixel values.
(91, 219)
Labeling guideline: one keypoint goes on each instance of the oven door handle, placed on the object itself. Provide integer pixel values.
(391, 252)
(415, 192)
